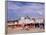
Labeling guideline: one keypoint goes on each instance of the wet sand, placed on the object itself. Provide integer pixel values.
(20, 30)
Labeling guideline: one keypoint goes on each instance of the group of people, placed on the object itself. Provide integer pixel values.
(28, 26)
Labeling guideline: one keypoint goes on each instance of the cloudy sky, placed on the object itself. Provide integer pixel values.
(19, 9)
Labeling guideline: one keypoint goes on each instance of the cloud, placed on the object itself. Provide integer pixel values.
(17, 9)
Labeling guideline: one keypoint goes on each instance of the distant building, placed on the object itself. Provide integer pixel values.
(26, 20)
(12, 22)
(39, 21)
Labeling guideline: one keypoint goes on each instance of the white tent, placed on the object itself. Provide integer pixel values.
(23, 20)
